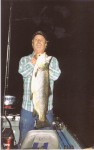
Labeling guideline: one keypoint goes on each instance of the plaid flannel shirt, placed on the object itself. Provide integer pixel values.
(26, 70)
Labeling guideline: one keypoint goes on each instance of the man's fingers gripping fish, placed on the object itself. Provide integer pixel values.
(40, 88)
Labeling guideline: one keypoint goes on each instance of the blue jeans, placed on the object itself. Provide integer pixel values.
(27, 121)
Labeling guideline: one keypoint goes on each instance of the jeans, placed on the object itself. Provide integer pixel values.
(27, 121)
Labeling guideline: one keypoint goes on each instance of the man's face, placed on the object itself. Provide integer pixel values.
(39, 44)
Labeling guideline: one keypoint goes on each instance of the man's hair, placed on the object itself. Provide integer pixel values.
(40, 33)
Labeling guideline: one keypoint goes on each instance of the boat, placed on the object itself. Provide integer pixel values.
(58, 138)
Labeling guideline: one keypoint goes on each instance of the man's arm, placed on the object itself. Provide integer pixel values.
(25, 67)
(54, 70)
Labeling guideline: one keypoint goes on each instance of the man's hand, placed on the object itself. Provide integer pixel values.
(33, 60)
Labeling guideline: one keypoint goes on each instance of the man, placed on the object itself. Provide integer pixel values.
(26, 67)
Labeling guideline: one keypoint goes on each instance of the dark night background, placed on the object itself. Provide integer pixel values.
(70, 28)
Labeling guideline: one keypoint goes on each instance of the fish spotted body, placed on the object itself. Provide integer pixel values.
(40, 89)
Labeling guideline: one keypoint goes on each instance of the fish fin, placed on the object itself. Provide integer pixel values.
(34, 113)
(42, 124)
(31, 96)
(35, 73)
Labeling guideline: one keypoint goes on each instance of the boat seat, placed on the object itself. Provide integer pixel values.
(41, 139)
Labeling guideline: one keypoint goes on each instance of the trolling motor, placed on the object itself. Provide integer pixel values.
(8, 138)
(9, 102)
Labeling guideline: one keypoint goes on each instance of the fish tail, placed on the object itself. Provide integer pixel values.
(42, 124)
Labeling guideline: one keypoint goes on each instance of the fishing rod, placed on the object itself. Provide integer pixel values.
(8, 51)
(7, 69)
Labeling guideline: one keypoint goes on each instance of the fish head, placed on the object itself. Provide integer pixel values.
(43, 61)
(43, 58)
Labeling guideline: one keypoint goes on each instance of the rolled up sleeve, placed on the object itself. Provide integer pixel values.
(54, 70)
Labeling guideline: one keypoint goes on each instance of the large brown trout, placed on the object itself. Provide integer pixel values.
(40, 89)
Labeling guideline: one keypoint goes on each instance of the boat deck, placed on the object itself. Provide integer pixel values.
(66, 139)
